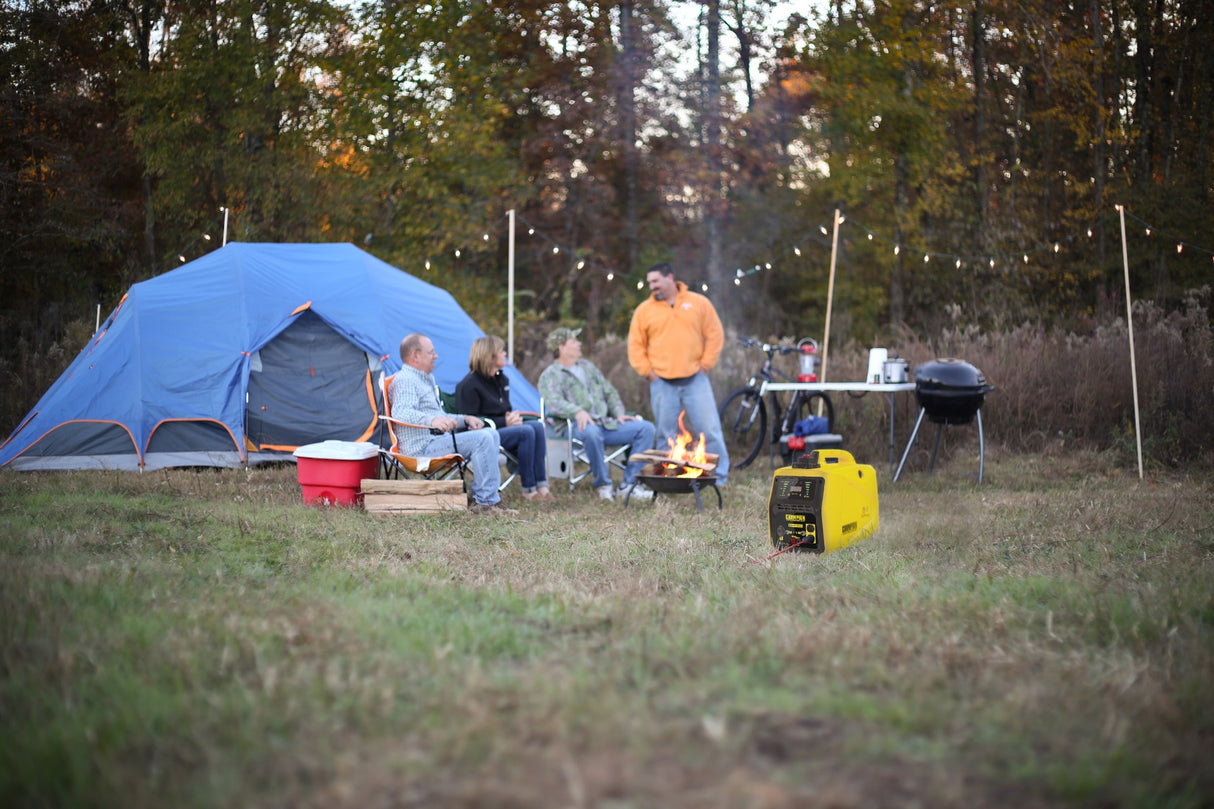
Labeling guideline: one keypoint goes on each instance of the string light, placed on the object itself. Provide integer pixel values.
(739, 274)
(427, 265)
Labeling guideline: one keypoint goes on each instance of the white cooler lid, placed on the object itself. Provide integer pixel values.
(338, 450)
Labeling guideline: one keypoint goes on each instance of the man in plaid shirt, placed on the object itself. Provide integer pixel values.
(414, 398)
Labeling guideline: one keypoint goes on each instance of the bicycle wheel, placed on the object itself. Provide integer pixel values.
(744, 423)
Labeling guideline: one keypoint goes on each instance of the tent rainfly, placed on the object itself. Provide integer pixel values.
(240, 357)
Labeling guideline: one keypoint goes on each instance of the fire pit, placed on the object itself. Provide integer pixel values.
(950, 391)
(664, 476)
(679, 471)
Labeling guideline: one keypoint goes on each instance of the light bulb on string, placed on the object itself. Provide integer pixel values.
(927, 257)
(958, 263)
(640, 284)
(485, 237)
(457, 252)
(610, 276)
(1089, 233)
(767, 265)
(555, 250)
(181, 259)
(703, 287)
(797, 250)
(992, 263)
(1056, 247)
(206, 236)
(822, 228)
(1026, 258)
(427, 264)
(737, 282)
(1148, 230)
(870, 237)
(842, 219)
(1179, 248)
(737, 273)
(897, 249)
(581, 265)
(530, 231)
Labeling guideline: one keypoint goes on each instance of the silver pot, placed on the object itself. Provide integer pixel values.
(895, 370)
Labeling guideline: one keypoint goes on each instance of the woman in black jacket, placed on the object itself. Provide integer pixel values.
(485, 393)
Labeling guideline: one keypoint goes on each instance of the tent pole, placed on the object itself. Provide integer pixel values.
(510, 292)
(225, 226)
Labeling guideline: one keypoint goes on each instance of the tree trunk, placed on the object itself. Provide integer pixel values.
(713, 213)
(628, 134)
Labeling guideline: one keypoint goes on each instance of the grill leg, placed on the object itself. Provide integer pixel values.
(939, 431)
(981, 446)
(910, 443)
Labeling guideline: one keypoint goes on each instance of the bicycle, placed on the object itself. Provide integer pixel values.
(744, 413)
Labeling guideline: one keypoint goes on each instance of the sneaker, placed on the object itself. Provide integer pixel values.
(639, 491)
(605, 492)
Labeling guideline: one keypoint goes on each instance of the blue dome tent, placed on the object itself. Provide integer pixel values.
(241, 356)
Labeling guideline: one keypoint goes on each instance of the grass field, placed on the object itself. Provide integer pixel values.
(202, 639)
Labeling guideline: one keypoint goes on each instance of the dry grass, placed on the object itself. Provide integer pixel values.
(202, 639)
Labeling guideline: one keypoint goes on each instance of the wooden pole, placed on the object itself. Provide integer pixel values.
(830, 290)
(830, 296)
(1129, 321)
(510, 291)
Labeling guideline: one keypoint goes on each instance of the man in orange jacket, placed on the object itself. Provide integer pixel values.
(674, 340)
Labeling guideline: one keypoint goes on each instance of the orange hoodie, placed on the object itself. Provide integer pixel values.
(675, 341)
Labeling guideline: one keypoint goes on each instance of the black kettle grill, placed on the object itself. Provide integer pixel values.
(949, 391)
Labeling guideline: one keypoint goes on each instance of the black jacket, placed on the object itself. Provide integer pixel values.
(486, 397)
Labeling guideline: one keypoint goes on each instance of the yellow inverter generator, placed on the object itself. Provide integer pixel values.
(823, 502)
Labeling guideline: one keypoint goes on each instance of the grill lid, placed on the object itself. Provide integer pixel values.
(950, 373)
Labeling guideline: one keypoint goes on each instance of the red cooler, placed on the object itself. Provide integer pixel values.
(331, 472)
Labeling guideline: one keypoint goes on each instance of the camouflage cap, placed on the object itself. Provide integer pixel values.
(558, 337)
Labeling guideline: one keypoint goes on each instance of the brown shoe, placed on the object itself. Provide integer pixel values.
(545, 497)
(499, 508)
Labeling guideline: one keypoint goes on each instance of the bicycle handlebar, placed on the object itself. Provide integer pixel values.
(767, 348)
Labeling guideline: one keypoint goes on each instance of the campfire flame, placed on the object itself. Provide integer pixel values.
(679, 453)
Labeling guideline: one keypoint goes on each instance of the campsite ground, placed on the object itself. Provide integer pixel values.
(202, 639)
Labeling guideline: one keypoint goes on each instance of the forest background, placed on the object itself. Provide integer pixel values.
(977, 151)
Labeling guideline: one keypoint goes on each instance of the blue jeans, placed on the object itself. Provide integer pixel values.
(693, 394)
(595, 438)
(529, 444)
(480, 450)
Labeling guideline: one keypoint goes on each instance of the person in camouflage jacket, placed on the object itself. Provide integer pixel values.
(575, 389)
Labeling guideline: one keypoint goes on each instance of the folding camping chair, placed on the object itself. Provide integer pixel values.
(567, 456)
(396, 464)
